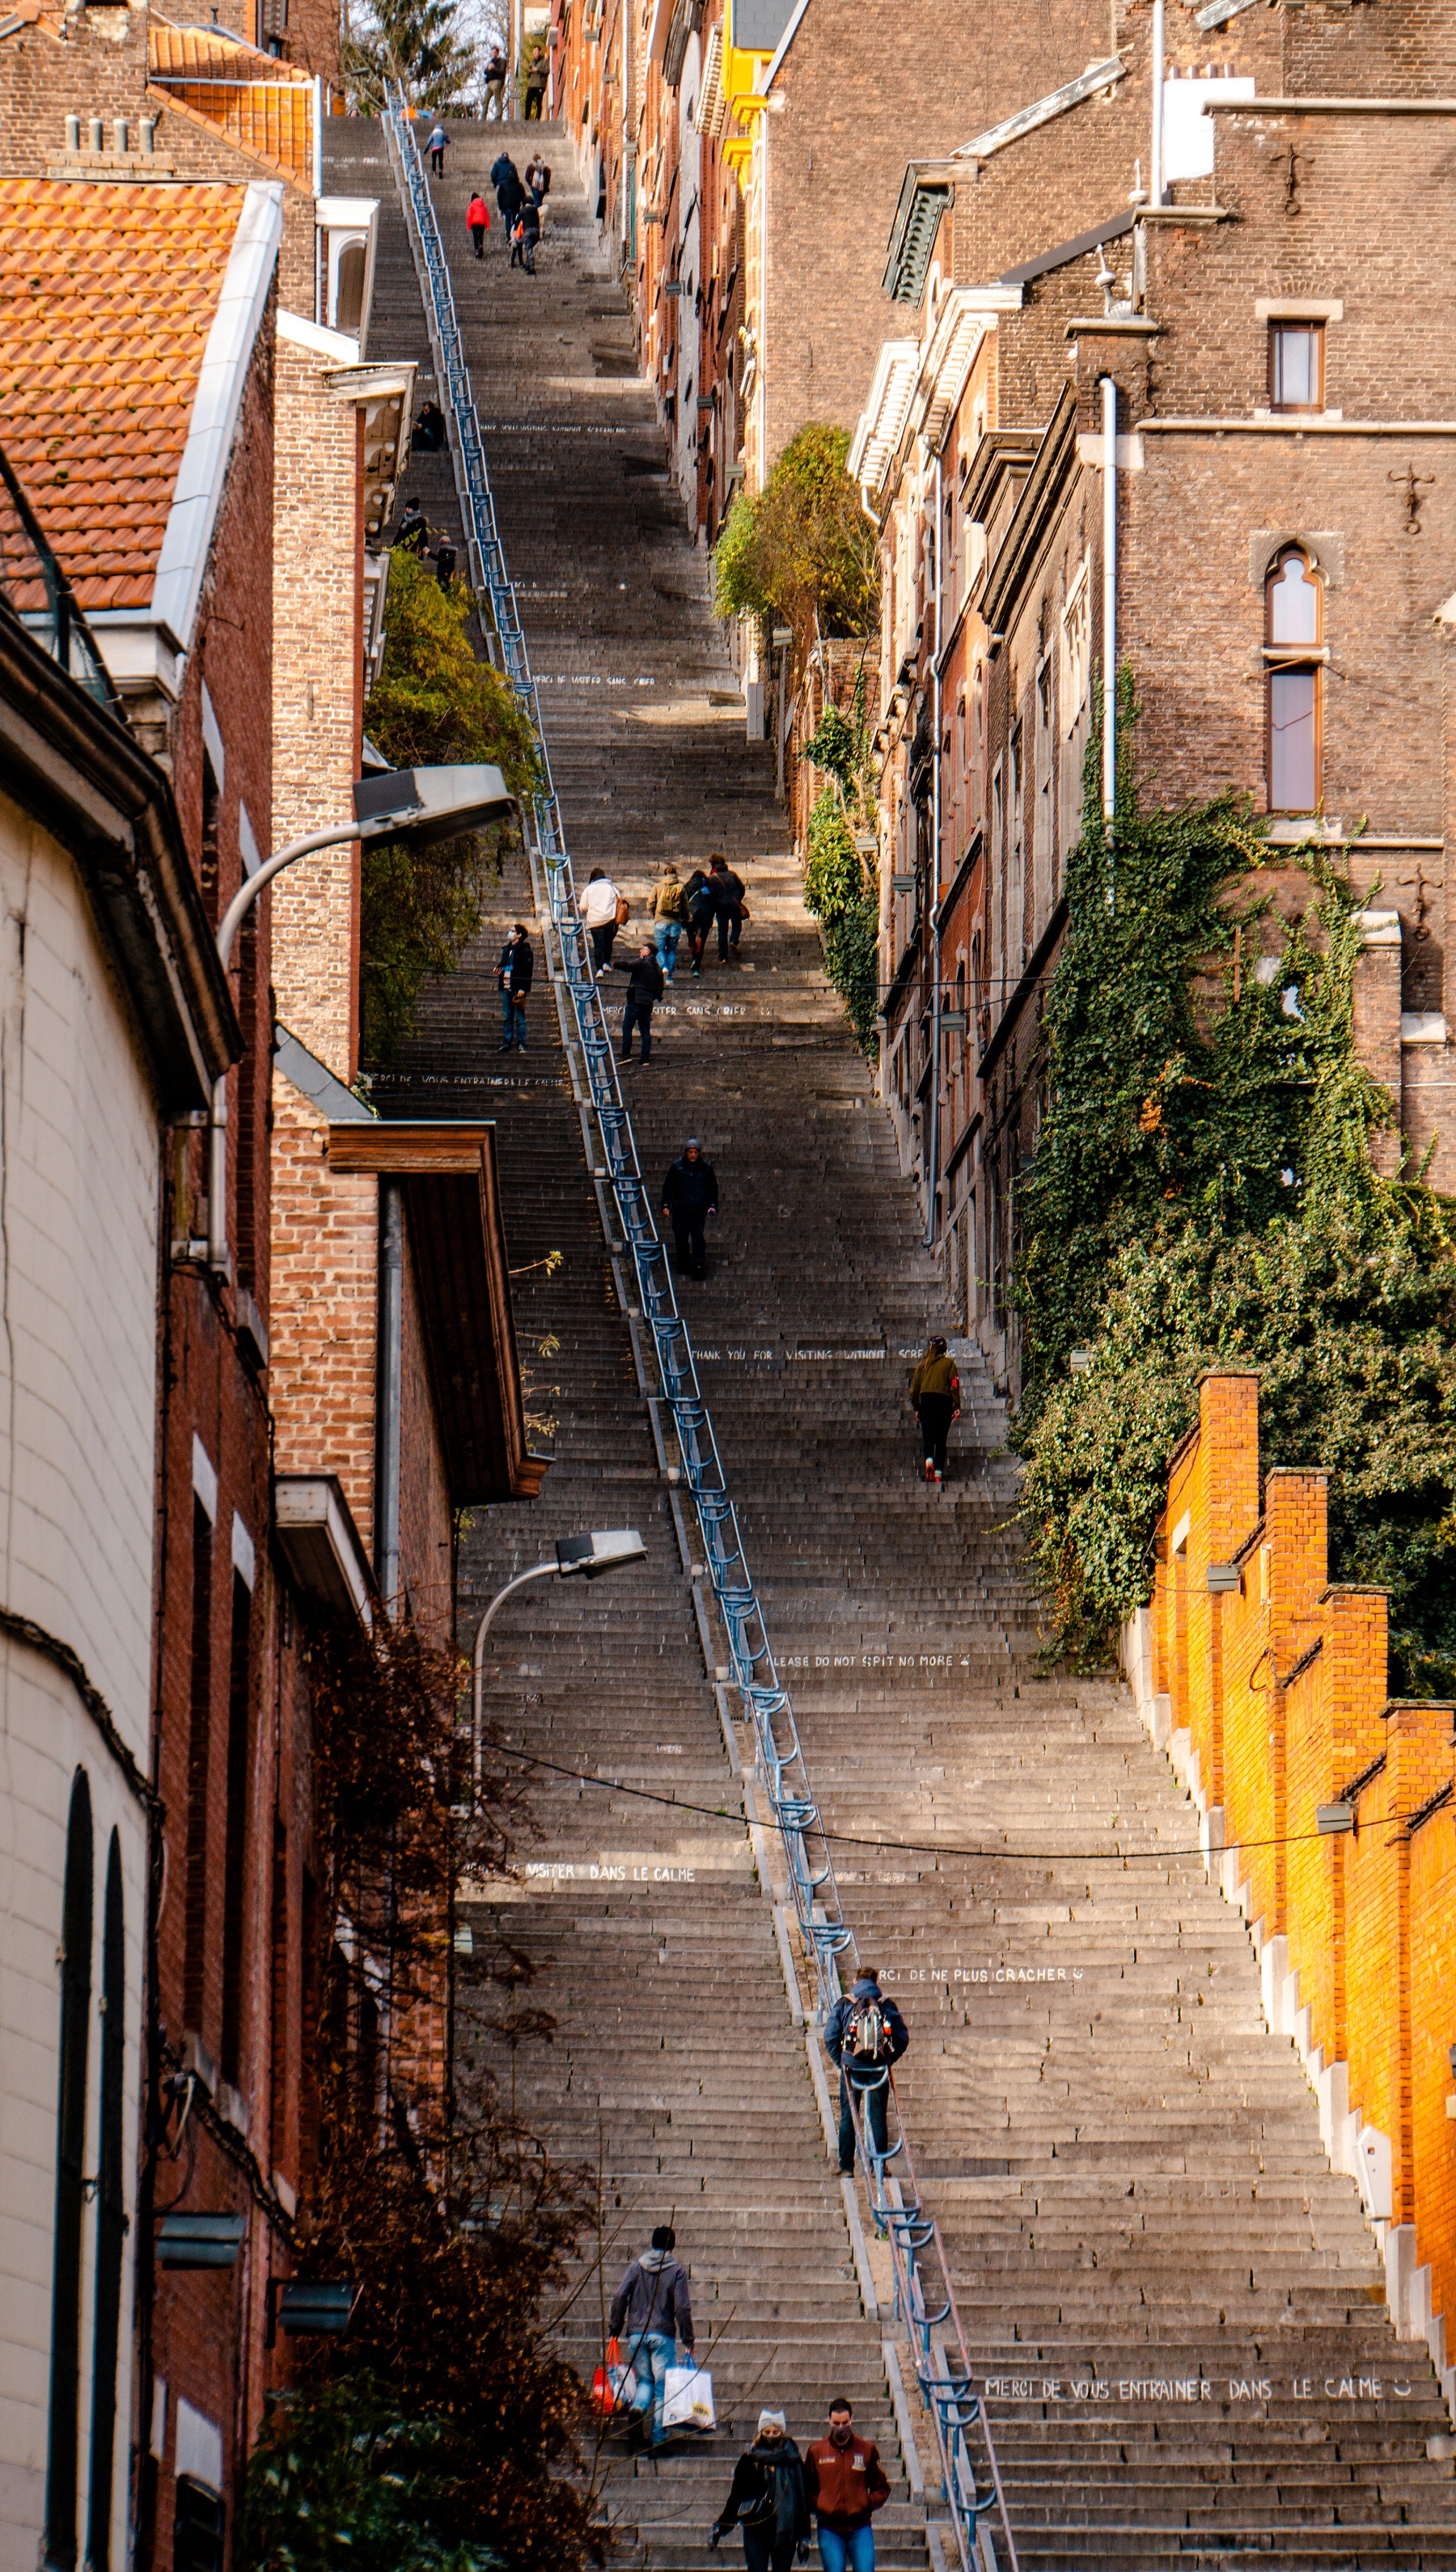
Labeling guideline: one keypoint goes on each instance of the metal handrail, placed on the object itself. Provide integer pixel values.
(916, 2250)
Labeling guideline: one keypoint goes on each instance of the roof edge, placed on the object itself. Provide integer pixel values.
(198, 494)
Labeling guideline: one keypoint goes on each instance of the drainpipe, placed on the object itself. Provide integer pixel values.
(1156, 190)
(628, 142)
(1108, 608)
(391, 1389)
(934, 1174)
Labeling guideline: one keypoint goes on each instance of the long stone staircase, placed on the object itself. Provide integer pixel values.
(1174, 2308)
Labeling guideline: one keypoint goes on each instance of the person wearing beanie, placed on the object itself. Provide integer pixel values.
(769, 2500)
(690, 1196)
(864, 2035)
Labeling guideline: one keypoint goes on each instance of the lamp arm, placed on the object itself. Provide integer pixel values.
(537, 1572)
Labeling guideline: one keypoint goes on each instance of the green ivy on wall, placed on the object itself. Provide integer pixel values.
(1203, 1193)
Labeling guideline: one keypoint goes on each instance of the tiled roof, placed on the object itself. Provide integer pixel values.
(262, 105)
(107, 296)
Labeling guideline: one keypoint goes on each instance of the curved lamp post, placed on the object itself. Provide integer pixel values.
(415, 806)
(603, 1551)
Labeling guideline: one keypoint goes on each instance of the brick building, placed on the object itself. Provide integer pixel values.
(1283, 562)
(117, 1020)
(1328, 1812)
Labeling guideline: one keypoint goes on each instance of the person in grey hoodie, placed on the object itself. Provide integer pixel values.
(651, 2312)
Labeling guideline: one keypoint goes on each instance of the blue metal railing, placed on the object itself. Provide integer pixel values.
(924, 2297)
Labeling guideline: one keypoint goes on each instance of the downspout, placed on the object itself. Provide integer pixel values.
(932, 1208)
(629, 142)
(391, 1390)
(1109, 616)
(1156, 192)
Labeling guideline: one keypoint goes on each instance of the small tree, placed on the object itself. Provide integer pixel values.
(802, 550)
(434, 701)
(418, 46)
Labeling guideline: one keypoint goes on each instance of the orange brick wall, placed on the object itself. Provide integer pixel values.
(1276, 1703)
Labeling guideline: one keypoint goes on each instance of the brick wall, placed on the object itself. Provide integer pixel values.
(327, 1254)
(318, 702)
(1354, 1929)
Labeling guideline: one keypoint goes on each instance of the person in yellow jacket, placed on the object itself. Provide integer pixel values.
(935, 1398)
(668, 918)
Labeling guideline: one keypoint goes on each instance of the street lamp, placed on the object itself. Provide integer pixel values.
(416, 805)
(603, 1551)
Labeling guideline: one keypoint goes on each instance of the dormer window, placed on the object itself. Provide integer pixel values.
(1297, 366)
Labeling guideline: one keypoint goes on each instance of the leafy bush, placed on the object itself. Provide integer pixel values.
(1203, 1193)
(341, 2475)
(434, 701)
(847, 909)
(802, 550)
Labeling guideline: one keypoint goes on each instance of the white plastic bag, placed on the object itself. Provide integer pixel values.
(688, 2399)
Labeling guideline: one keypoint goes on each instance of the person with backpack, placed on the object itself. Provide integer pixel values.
(651, 2312)
(935, 1399)
(728, 907)
(769, 2500)
(668, 918)
(846, 2484)
(864, 2035)
(477, 223)
(525, 234)
(510, 195)
(516, 965)
(697, 915)
(439, 140)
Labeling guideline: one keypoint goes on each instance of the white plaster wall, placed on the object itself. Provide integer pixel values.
(79, 1171)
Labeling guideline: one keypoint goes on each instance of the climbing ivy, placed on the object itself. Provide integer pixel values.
(1203, 1193)
(846, 908)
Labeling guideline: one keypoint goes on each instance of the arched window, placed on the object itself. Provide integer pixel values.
(1293, 633)
(76, 1903)
(110, 2214)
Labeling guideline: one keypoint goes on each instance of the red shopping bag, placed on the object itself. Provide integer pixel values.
(614, 2386)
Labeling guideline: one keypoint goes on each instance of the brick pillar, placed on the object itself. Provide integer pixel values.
(1227, 1513)
(1418, 1763)
(1296, 1532)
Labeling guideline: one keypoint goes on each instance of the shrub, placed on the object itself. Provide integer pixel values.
(1203, 1193)
(802, 550)
(434, 702)
(847, 909)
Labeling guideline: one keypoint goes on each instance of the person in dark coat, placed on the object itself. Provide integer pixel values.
(769, 2500)
(690, 1196)
(727, 904)
(429, 433)
(864, 2035)
(412, 535)
(697, 911)
(510, 195)
(516, 965)
(644, 990)
(496, 71)
(536, 76)
(651, 2312)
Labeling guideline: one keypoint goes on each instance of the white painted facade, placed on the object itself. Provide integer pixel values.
(79, 1211)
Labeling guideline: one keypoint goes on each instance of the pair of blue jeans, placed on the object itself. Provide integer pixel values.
(513, 1022)
(651, 2354)
(665, 935)
(848, 2553)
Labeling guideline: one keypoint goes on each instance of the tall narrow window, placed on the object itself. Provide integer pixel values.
(210, 802)
(1297, 366)
(65, 2419)
(111, 2214)
(1292, 636)
(199, 1762)
(234, 1849)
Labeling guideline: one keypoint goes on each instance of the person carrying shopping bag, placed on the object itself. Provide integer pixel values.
(769, 2500)
(651, 2312)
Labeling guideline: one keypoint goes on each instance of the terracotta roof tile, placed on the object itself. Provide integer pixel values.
(262, 105)
(107, 296)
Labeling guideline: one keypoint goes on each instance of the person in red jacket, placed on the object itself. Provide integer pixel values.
(477, 223)
(845, 2483)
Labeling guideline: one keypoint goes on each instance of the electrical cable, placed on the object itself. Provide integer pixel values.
(923, 1848)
